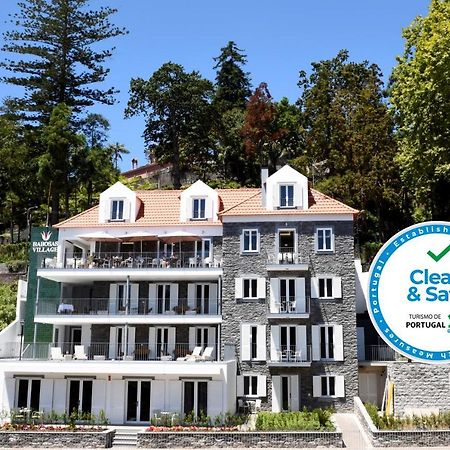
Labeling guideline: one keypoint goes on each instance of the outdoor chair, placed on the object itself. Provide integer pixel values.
(207, 354)
(80, 353)
(56, 353)
(192, 356)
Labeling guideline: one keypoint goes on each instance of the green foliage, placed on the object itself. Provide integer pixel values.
(13, 252)
(178, 113)
(59, 41)
(315, 420)
(8, 295)
(419, 93)
(439, 421)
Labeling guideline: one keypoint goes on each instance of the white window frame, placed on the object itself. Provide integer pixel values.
(326, 281)
(260, 387)
(246, 342)
(250, 232)
(117, 219)
(199, 210)
(30, 382)
(253, 285)
(323, 230)
(286, 199)
(80, 393)
(327, 356)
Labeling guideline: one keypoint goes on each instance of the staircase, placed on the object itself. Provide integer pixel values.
(126, 437)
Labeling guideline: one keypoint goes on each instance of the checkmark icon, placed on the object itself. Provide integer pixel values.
(440, 255)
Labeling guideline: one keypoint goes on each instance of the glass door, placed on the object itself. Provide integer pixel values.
(138, 401)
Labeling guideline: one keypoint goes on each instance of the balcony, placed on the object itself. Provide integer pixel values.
(379, 353)
(102, 351)
(291, 355)
(286, 259)
(105, 310)
(289, 307)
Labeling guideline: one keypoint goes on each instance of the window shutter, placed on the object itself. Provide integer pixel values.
(126, 210)
(152, 342)
(276, 195)
(152, 294)
(261, 288)
(314, 287)
(112, 342)
(241, 242)
(173, 295)
(315, 336)
(295, 397)
(261, 343)
(337, 287)
(171, 341)
(192, 331)
(338, 343)
(213, 300)
(208, 208)
(134, 298)
(274, 295)
(301, 346)
(46, 395)
(112, 298)
(239, 385)
(276, 393)
(238, 288)
(245, 342)
(131, 340)
(317, 386)
(98, 396)
(191, 295)
(298, 203)
(300, 298)
(339, 386)
(212, 340)
(274, 342)
(262, 386)
(86, 335)
(59, 396)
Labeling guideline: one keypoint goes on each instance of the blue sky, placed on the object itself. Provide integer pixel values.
(279, 38)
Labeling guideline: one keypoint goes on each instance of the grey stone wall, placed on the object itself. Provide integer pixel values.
(420, 386)
(339, 263)
(285, 439)
(416, 438)
(57, 439)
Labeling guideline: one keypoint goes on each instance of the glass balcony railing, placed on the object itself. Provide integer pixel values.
(135, 260)
(140, 306)
(103, 351)
(289, 305)
(285, 256)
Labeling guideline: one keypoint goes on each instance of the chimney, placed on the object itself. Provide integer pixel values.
(264, 176)
(134, 163)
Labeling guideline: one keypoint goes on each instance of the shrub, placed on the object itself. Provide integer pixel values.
(13, 252)
(16, 266)
(305, 420)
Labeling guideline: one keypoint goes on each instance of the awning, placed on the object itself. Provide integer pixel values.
(138, 236)
(179, 236)
(99, 236)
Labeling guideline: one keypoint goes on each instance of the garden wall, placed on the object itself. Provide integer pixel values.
(284, 439)
(389, 438)
(50, 439)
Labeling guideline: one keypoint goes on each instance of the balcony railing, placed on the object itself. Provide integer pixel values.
(141, 306)
(379, 353)
(132, 260)
(291, 354)
(288, 305)
(285, 256)
(102, 351)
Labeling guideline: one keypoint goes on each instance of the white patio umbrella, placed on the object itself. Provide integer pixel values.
(99, 236)
(138, 236)
(179, 236)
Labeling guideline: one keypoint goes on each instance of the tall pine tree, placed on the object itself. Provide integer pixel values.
(56, 56)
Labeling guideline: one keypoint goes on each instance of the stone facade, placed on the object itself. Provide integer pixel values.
(59, 439)
(285, 439)
(339, 263)
(416, 438)
(419, 386)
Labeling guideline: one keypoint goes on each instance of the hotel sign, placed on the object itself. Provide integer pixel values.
(409, 292)
(45, 244)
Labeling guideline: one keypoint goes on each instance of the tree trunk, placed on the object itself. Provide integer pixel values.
(54, 216)
(176, 173)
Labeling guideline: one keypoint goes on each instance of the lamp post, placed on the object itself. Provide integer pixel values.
(28, 213)
(21, 339)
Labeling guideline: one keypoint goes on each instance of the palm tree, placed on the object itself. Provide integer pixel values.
(116, 151)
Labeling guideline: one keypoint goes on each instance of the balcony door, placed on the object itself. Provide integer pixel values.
(162, 342)
(80, 396)
(195, 398)
(138, 401)
(285, 393)
(202, 337)
(202, 298)
(287, 246)
(288, 343)
(162, 298)
(121, 342)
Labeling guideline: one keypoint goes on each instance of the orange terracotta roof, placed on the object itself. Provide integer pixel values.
(162, 208)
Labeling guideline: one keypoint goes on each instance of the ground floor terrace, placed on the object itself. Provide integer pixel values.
(126, 392)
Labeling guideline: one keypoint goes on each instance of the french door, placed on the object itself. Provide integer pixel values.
(80, 396)
(138, 401)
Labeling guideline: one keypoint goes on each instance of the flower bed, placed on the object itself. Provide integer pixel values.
(178, 428)
(45, 428)
(305, 420)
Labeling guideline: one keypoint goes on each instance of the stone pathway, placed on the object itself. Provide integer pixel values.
(352, 432)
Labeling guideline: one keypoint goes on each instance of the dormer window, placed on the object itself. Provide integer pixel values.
(199, 208)
(117, 210)
(286, 196)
